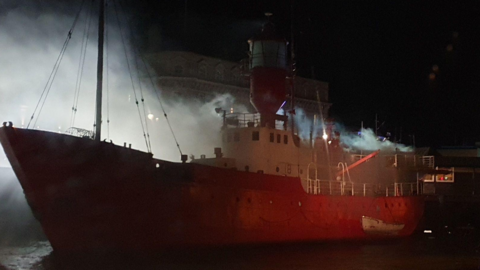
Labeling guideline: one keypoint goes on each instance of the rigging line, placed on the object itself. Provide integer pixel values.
(78, 72)
(49, 78)
(106, 73)
(143, 101)
(57, 63)
(138, 74)
(81, 63)
(79, 69)
(155, 87)
(50, 86)
(130, 73)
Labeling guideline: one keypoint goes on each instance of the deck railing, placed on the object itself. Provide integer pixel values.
(344, 188)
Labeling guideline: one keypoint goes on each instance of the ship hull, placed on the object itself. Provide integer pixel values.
(91, 196)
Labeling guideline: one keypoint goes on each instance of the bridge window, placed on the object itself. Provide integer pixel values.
(236, 137)
(285, 139)
(255, 136)
(272, 137)
(279, 138)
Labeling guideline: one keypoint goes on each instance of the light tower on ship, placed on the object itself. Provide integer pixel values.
(268, 74)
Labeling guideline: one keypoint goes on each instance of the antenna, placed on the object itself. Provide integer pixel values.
(292, 55)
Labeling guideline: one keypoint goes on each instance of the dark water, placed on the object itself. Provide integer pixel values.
(23, 246)
(417, 252)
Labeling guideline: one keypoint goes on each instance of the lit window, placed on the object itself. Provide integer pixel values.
(255, 136)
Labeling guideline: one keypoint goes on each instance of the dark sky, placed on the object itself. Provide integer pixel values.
(376, 55)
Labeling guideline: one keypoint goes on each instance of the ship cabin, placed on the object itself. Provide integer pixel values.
(247, 146)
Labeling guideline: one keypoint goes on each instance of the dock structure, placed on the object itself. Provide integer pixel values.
(453, 194)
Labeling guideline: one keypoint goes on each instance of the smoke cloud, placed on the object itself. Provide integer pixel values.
(366, 140)
(32, 36)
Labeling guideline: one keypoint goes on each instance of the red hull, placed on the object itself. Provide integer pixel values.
(94, 195)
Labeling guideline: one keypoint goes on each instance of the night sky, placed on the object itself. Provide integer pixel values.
(378, 56)
(416, 64)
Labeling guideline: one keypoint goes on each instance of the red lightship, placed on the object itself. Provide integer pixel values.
(265, 185)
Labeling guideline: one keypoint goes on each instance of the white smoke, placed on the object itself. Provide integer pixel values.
(366, 140)
(31, 42)
(31, 39)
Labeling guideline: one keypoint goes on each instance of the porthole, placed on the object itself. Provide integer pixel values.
(277, 169)
(157, 165)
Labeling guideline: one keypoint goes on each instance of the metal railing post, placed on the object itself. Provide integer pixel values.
(364, 190)
(330, 186)
(386, 191)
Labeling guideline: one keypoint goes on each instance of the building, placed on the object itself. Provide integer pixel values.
(193, 75)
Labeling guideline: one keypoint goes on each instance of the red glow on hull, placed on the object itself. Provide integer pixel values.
(98, 196)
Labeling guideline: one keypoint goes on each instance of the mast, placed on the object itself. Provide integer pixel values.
(98, 116)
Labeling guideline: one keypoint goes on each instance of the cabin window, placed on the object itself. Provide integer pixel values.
(255, 136)
(236, 137)
(229, 137)
(279, 138)
(272, 137)
(285, 139)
